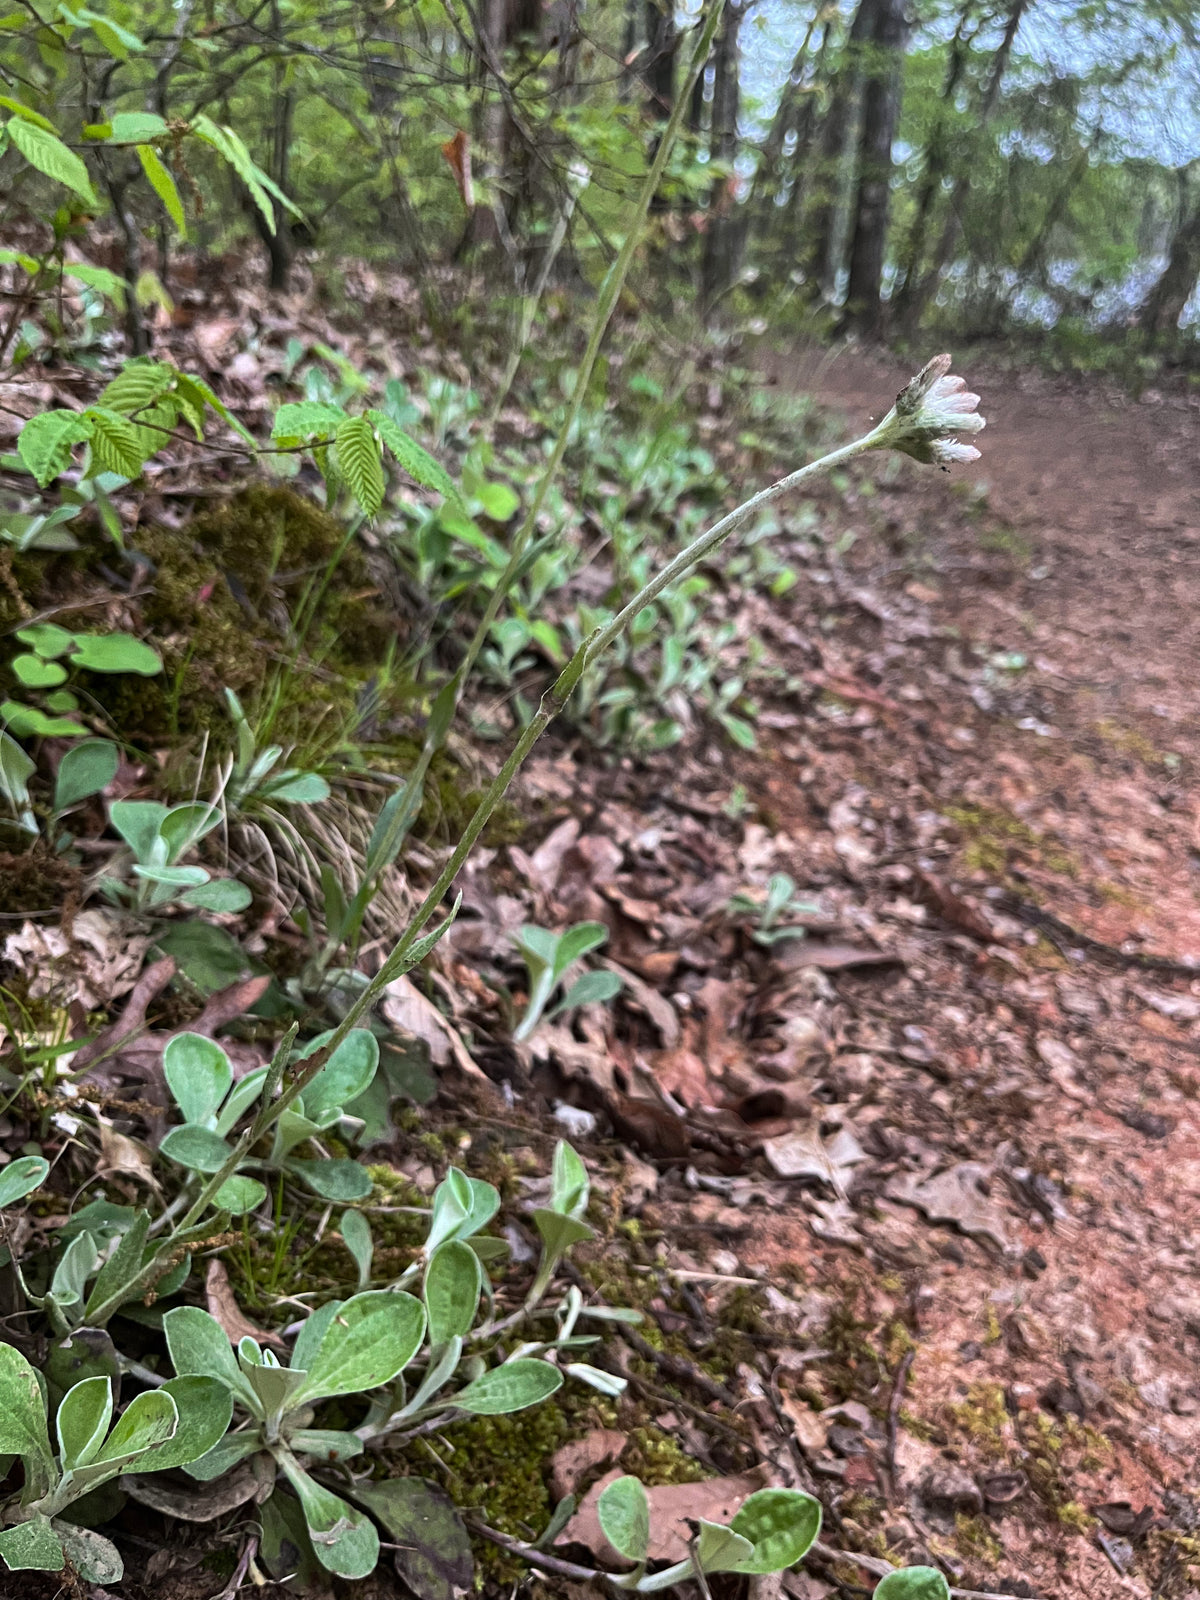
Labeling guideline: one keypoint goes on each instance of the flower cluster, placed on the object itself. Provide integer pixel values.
(929, 414)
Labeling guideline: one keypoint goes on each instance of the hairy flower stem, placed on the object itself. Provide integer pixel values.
(606, 303)
(410, 948)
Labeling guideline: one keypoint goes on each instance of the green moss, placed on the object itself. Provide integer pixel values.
(975, 1540)
(983, 1418)
(657, 1457)
(992, 836)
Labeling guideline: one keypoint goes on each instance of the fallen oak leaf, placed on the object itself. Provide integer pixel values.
(954, 1196)
(576, 1459)
(222, 1304)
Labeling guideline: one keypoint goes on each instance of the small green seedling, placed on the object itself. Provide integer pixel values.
(200, 1079)
(162, 1428)
(159, 837)
(548, 956)
(771, 913)
(43, 667)
(913, 1583)
(256, 775)
(772, 1530)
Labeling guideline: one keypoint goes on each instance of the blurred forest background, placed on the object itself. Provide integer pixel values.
(982, 168)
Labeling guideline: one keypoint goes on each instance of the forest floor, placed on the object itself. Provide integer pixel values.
(913, 1202)
(1006, 751)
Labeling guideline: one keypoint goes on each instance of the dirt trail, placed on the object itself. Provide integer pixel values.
(1009, 675)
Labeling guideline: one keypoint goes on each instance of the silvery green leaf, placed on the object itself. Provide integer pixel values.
(23, 1429)
(356, 1236)
(590, 989)
(32, 1547)
(243, 1095)
(453, 1279)
(624, 1513)
(443, 1363)
(205, 1407)
(199, 1076)
(577, 942)
(197, 1148)
(274, 1385)
(75, 1266)
(604, 1382)
(200, 1348)
(150, 1418)
(225, 1455)
(559, 1233)
(311, 1335)
(95, 1558)
(568, 1182)
(22, 1177)
(82, 1422)
(719, 1549)
(344, 1540)
(433, 1553)
(124, 1263)
(512, 1387)
(782, 1525)
(372, 1337)
(292, 1129)
(461, 1207)
(346, 1074)
(913, 1583)
(327, 1444)
(239, 1194)
(332, 1177)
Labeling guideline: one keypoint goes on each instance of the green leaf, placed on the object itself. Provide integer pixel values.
(333, 1177)
(116, 446)
(118, 41)
(200, 1348)
(433, 1549)
(560, 1233)
(205, 1407)
(327, 1444)
(20, 109)
(297, 788)
(95, 1558)
(75, 1266)
(781, 1524)
(85, 769)
(512, 1387)
(624, 1512)
(115, 652)
(347, 1073)
(163, 184)
(605, 1383)
(312, 1334)
(34, 673)
(453, 1280)
(197, 394)
(24, 1175)
(47, 639)
(913, 1583)
(719, 1549)
(239, 1194)
(139, 384)
(415, 460)
(150, 1418)
(499, 501)
(46, 151)
(199, 1149)
(356, 1236)
(46, 440)
(15, 771)
(123, 1265)
(199, 1076)
(360, 463)
(305, 419)
(577, 942)
(29, 723)
(131, 127)
(100, 279)
(225, 1455)
(568, 1182)
(372, 1338)
(220, 894)
(590, 989)
(82, 1423)
(344, 1540)
(287, 1551)
(461, 1206)
(23, 1429)
(31, 1546)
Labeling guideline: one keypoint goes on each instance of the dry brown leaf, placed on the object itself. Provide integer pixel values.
(118, 1153)
(575, 1460)
(199, 1502)
(954, 1196)
(832, 957)
(804, 1154)
(656, 1006)
(407, 1010)
(810, 1428)
(952, 908)
(671, 1504)
(219, 1297)
(97, 964)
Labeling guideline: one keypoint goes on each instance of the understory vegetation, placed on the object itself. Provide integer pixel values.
(288, 599)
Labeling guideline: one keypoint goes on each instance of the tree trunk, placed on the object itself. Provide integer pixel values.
(937, 167)
(880, 115)
(821, 230)
(921, 295)
(721, 238)
(1160, 311)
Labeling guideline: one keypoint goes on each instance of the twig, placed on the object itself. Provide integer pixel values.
(233, 1588)
(893, 1423)
(536, 1558)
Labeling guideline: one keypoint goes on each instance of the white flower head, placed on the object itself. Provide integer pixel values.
(929, 414)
